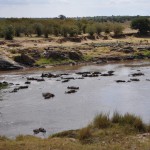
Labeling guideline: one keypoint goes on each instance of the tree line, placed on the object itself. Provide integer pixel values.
(65, 27)
(57, 27)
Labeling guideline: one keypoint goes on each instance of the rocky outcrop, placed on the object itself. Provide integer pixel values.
(73, 55)
(7, 64)
(25, 60)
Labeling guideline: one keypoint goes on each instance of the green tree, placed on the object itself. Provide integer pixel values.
(142, 24)
(62, 17)
(9, 32)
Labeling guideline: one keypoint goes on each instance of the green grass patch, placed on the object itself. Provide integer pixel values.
(44, 61)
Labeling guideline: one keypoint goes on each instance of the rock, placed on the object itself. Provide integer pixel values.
(61, 55)
(48, 95)
(25, 60)
(56, 55)
(7, 64)
(147, 79)
(127, 49)
(75, 55)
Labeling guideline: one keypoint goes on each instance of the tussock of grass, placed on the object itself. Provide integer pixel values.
(101, 121)
(129, 119)
(85, 133)
(116, 118)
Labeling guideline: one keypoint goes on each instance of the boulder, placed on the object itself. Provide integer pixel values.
(7, 64)
(75, 55)
(25, 60)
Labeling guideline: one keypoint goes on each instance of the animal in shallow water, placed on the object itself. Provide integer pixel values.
(48, 95)
(70, 92)
(72, 88)
(37, 131)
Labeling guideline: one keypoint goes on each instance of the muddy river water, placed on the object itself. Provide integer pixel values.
(25, 110)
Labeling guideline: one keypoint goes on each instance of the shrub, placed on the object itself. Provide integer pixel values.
(73, 31)
(90, 30)
(98, 28)
(142, 24)
(118, 29)
(101, 121)
(9, 32)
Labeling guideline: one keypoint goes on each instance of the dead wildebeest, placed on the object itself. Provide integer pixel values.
(70, 92)
(120, 81)
(48, 95)
(137, 74)
(27, 82)
(37, 131)
(134, 80)
(72, 88)
(64, 81)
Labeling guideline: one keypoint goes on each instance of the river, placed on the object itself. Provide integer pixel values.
(25, 110)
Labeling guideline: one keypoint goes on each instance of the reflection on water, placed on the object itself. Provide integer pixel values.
(27, 110)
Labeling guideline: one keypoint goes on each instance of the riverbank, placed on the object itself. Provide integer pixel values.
(43, 53)
(120, 132)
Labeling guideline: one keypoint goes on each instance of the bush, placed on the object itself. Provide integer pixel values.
(90, 30)
(101, 121)
(99, 28)
(118, 29)
(142, 24)
(9, 32)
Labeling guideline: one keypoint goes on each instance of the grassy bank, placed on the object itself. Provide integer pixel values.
(120, 132)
